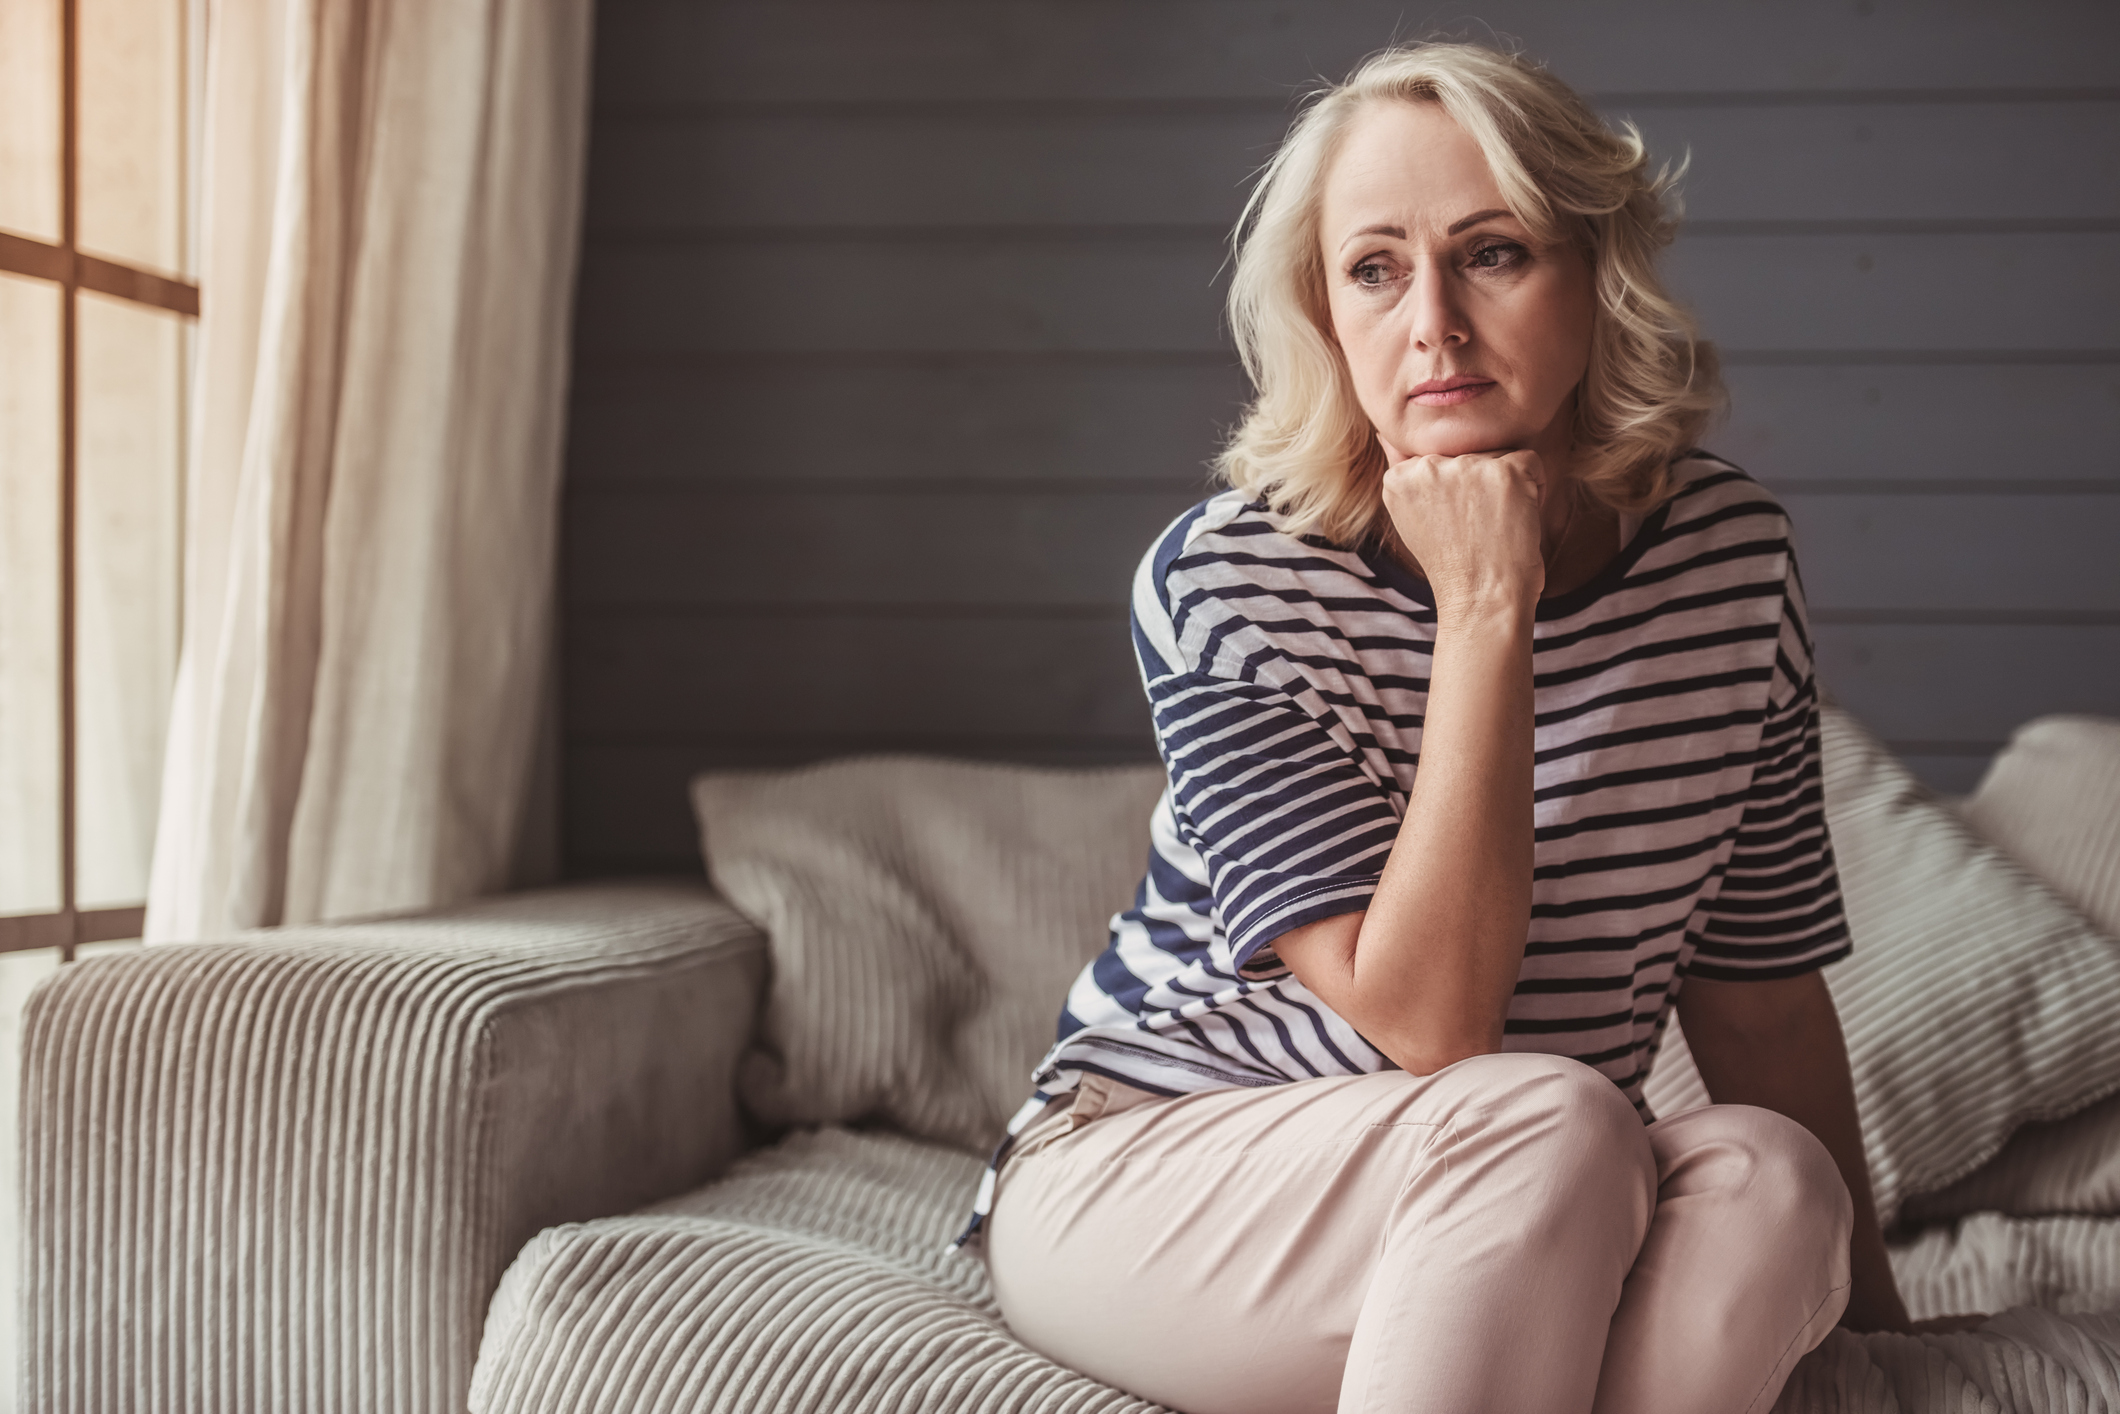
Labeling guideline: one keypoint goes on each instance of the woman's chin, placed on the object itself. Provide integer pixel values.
(1465, 444)
(1464, 436)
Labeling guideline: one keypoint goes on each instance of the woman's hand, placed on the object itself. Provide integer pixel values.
(1471, 523)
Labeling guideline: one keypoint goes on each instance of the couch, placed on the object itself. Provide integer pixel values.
(661, 1145)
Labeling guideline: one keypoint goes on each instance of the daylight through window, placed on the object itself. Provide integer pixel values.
(98, 307)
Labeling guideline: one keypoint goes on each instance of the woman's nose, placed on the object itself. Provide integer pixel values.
(1438, 319)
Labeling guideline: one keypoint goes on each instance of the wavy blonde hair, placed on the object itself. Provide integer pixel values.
(1305, 445)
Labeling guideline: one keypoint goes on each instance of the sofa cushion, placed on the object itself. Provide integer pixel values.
(1975, 999)
(2051, 798)
(813, 1278)
(2069, 1165)
(925, 918)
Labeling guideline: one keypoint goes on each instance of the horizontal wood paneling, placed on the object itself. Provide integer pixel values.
(970, 546)
(667, 173)
(728, 675)
(849, 421)
(1129, 293)
(856, 294)
(1950, 775)
(1943, 555)
(629, 811)
(1974, 422)
(676, 172)
(2023, 162)
(1986, 291)
(676, 51)
(1968, 686)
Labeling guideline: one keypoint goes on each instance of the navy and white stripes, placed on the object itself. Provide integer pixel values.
(1679, 818)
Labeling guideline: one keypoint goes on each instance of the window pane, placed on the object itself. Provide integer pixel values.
(132, 130)
(29, 596)
(29, 117)
(128, 480)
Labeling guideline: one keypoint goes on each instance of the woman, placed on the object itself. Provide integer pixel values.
(1492, 734)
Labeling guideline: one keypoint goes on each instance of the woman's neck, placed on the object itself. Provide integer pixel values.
(1584, 541)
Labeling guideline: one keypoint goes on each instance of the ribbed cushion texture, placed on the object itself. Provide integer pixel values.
(2027, 1362)
(286, 1173)
(2051, 798)
(2051, 801)
(812, 1279)
(926, 918)
(1976, 999)
(2068, 1165)
(1993, 1262)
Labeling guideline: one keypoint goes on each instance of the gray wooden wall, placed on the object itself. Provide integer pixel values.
(898, 337)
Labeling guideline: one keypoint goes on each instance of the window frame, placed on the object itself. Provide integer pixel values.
(74, 271)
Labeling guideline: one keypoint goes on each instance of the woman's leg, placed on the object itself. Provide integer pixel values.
(1744, 1271)
(1375, 1243)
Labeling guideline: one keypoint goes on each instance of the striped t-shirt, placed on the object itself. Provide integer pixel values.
(1679, 819)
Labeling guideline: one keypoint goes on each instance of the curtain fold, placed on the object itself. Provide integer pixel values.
(391, 195)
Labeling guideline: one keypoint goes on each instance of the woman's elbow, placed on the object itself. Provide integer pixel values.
(1427, 1054)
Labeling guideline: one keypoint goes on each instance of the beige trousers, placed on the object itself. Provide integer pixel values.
(1503, 1235)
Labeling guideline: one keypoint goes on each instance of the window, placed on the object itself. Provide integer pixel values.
(98, 308)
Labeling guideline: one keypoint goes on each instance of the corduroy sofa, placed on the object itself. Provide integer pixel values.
(621, 1146)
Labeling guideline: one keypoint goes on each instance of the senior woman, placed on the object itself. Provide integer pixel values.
(1491, 728)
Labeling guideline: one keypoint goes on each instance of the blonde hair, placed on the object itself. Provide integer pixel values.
(1306, 446)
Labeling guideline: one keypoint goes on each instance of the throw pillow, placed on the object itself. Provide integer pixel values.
(2052, 799)
(2068, 1166)
(1975, 1000)
(925, 919)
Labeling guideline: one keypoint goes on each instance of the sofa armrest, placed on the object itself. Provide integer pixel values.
(287, 1172)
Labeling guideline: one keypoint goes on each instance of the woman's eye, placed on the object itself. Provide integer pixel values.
(1371, 272)
(1497, 256)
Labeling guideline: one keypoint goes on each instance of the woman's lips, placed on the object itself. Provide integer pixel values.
(1448, 392)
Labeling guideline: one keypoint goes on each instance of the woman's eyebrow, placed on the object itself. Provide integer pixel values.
(1475, 218)
(1398, 233)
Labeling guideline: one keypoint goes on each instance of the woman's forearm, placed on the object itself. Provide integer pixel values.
(1443, 940)
(1426, 973)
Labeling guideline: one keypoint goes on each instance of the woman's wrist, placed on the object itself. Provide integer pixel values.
(1497, 608)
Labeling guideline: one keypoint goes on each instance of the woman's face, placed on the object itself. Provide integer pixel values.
(1462, 333)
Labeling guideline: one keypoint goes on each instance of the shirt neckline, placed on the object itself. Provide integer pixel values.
(1386, 567)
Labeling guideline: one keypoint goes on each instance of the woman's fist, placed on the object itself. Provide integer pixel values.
(1472, 525)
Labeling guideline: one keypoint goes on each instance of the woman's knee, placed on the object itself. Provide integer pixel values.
(1762, 1161)
(1556, 1093)
(1561, 1113)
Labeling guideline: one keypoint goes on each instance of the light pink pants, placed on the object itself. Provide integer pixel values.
(1503, 1235)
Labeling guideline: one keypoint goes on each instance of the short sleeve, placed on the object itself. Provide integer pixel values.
(1779, 911)
(1274, 797)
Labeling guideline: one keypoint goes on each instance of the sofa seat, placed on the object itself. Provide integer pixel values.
(814, 1276)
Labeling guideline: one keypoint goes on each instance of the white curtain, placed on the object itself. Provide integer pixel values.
(391, 195)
